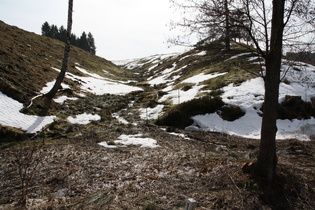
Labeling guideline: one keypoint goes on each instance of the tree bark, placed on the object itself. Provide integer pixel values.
(51, 94)
(227, 26)
(267, 160)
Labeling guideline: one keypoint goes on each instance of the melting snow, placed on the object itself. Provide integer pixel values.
(151, 113)
(83, 118)
(62, 99)
(99, 85)
(132, 140)
(202, 77)
(120, 119)
(10, 115)
(250, 97)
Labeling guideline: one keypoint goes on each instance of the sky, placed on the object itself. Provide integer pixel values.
(122, 29)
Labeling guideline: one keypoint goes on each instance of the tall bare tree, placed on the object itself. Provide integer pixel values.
(206, 19)
(271, 28)
(64, 67)
(267, 160)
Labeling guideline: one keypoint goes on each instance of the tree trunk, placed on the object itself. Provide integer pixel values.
(267, 160)
(51, 94)
(227, 26)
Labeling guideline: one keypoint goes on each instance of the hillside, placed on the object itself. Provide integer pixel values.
(230, 87)
(146, 133)
(28, 60)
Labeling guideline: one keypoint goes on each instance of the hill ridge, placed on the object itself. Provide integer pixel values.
(27, 59)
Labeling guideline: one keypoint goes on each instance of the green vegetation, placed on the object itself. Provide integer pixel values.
(231, 112)
(85, 42)
(179, 115)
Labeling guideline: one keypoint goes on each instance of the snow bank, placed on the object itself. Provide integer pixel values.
(10, 115)
(98, 85)
(249, 96)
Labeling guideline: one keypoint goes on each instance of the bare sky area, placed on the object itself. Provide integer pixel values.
(122, 29)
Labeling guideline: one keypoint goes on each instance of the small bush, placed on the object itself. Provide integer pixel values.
(179, 115)
(293, 107)
(216, 93)
(187, 87)
(231, 112)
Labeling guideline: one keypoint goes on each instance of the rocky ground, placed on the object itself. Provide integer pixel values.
(77, 173)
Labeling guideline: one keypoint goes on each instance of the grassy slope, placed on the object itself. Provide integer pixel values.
(26, 62)
(237, 68)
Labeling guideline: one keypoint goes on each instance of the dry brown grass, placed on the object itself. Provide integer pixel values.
(26, 61)
(78, 173)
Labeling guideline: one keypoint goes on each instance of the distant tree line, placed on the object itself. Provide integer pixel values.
(85, 41)
(307, 57)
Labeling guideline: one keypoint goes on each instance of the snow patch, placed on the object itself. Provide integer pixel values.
(128, 140)
(249, 96)
(62, 99)
(10, 115)
(202, 77)
(83, 119)
(151, 113)
(99, 85)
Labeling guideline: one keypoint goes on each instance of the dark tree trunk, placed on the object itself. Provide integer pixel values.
(51, 94)
(227, 26)
(267, 160)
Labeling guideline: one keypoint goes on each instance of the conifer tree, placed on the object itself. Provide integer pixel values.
(62, 34)
(90, 40)
(53, 32)
(83, 43)
(46, 29)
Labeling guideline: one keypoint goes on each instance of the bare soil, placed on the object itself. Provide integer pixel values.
(77, 173)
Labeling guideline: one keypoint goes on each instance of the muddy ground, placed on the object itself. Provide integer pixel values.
(77, 173)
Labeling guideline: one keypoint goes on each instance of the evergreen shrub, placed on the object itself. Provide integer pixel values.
(180, 115)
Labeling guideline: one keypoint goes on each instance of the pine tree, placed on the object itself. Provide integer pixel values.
(83, 43)
(53, 32)
(91, 43)
(74, 40)
(62, 34)
(45, 29)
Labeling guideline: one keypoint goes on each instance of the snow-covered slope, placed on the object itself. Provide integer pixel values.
(298, 79)
(168, 80)
(10, 114)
